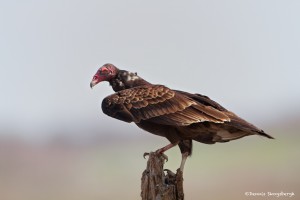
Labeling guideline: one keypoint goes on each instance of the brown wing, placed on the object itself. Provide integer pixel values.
(235, 121)
(159, 104)
(202, 99)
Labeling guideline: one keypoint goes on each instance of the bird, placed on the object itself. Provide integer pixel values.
(179, 116)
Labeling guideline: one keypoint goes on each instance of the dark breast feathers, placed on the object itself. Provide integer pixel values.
(177, 115)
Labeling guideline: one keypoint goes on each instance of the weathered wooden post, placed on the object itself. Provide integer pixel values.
(160, 184)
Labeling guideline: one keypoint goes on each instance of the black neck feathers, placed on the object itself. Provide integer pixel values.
(126, 80)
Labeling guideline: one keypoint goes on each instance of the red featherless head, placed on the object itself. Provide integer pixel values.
(104, 73)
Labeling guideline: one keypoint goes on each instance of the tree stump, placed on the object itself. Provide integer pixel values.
(160, 184)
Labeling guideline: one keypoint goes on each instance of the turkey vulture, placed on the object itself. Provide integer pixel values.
(179, 116)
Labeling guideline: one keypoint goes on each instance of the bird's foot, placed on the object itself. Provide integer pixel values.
(170, 173)
(170, 177)
(161, 152)
(157, 152)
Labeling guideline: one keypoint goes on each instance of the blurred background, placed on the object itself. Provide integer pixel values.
(55, 142)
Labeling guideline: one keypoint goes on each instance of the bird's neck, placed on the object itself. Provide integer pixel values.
(125, 80)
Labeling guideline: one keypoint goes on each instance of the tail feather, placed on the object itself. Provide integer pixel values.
(262, 133)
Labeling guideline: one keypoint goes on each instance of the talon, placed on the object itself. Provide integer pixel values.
(161, 153)
(165, 156)
(146, 154)
(169, 172)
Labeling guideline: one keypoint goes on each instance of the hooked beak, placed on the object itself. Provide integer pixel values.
(93, 83)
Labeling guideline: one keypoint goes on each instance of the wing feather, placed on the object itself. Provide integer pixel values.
(219, 115)
(159, 104)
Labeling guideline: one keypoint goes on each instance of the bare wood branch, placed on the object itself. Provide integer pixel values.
(160, 184)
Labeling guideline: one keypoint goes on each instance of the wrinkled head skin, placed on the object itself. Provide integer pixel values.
(104, 73)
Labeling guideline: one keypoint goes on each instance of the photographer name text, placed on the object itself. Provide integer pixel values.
(270, 194)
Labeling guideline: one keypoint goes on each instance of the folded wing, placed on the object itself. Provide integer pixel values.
(161, 105)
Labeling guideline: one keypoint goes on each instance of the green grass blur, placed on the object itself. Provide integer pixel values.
(112, 168)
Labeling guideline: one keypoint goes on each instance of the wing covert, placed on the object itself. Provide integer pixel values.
(159, 104)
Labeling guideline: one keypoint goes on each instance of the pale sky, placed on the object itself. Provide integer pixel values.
(243, 54)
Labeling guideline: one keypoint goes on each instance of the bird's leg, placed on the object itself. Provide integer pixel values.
(165, 148)
(184, 157)
(186, 147)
